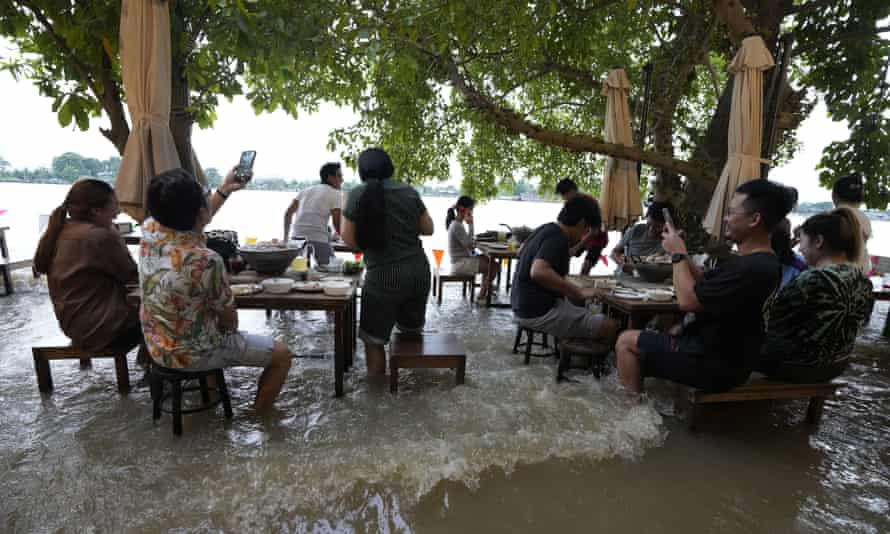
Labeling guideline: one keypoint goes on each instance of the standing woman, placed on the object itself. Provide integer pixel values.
(87, 266)
(385, 219)
(461, 244)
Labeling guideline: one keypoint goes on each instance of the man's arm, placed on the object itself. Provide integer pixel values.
(335, 218)
(426, 226)
(543, 274)
(289, 215)
(685, 274)
(347, 232)
(229, 186)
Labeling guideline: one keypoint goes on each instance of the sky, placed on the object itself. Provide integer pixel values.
(30, 136)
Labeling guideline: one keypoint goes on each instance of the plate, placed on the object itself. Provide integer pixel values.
(308, 287)
(240, 290)
(497, 246)
(628, 295)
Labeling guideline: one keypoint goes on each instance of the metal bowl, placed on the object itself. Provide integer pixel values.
(273, 261)
(654, 272)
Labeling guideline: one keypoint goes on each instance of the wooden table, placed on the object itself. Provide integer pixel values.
(344, 309)
(884, 295)
(341, 246)
(4, 261)
(495, 254)
(632, 312)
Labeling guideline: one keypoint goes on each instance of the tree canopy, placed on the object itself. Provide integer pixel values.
(510, 90)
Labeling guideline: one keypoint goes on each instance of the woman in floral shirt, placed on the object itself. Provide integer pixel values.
(188, 312)
(812, 323)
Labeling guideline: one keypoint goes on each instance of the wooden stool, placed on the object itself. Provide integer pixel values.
(175, 377)
(767, 389)
(596, 352)
(43, 355)
(4, 262)
(429, 351)
(467, 281)
(530, 342)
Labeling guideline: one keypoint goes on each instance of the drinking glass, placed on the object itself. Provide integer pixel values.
(437, 254)
(250, 240)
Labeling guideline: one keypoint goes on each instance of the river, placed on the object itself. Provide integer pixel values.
(510, 451)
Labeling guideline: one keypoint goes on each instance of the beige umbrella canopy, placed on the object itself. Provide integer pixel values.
(620, 197)
(745, 128)
(145, 69)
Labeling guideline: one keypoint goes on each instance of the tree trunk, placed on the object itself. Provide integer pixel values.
(113, 105)
(181, 120)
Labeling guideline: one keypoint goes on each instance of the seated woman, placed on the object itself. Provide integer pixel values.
(812, 323)
(385, 219)
(460, 245)
(88, 266)
(781, 243)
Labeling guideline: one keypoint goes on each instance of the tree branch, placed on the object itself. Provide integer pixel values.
(515, 124)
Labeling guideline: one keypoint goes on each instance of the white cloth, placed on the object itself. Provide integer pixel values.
(316, 205)
(620, 195)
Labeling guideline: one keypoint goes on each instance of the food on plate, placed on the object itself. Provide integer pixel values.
(240, 290)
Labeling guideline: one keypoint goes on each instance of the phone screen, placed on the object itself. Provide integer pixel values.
(246, 163)
(667, 217)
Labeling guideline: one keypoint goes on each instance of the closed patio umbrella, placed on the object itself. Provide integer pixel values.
(745, 128)
(620, 197)
(145, 69)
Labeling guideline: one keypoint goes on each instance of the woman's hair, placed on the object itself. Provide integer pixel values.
(84, 196)
(462, 202)
(840, 230)
(780, 241)
(175, 198)
(849, 188)
(374, 166)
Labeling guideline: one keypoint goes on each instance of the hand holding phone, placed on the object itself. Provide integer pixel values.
(244, 171)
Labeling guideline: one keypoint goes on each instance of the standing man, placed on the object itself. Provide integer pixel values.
(313, 207)
(597, 238)
(541, 294)
(719, 345)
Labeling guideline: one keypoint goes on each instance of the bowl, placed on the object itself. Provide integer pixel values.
(269, 261)
(654, 272)
(336, 289)
(278, 286)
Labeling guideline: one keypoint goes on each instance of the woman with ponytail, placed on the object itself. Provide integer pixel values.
(461, 244)
(87, 266)
(385, 219)
(812, 323)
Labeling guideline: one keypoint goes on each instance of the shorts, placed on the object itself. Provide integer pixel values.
(565, 321)
(394, 296)
(593, 255)
(467, 266)
(683, 360)
(239, 349)
(323, 251)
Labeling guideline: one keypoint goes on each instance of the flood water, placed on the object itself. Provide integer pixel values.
(509, 451)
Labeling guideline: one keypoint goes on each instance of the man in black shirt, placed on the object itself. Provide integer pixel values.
(719, 347)
(541, 294)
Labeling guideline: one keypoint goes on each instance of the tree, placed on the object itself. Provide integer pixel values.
(513, 87)
(266, 50)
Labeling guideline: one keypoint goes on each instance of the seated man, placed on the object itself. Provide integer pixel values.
(188, 312)
(594, 243)
(719, 346)
(541, 294)
(644, 239)
(313, 207)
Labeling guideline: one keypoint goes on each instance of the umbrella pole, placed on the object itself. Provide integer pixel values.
(644, 117)
(770, 120)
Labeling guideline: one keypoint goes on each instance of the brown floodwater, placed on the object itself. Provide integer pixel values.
(511, 451)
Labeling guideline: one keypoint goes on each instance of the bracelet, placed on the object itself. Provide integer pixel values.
(224, 195)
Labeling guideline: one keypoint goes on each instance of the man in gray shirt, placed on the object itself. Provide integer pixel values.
(643, 239)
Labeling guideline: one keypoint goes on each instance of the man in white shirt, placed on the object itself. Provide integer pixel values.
(312, 207)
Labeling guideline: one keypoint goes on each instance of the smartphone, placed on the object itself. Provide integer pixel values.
(245, 165)
(667, 217)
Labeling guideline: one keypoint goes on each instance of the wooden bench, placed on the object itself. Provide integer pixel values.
(43, 355)
(467, 281)
(4, 262)
(427, 351)
(761, 388)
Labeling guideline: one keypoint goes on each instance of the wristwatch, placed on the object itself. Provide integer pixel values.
(677, 258)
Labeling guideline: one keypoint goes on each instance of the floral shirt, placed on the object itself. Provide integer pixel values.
(184, 291)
